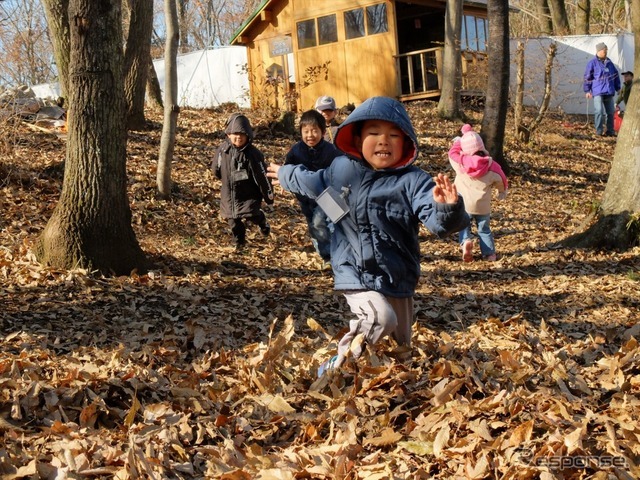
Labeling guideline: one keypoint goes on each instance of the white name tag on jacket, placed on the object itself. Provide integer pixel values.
(333, 204)
(239, 175)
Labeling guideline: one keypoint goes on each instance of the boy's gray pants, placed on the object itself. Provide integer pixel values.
(377, 316)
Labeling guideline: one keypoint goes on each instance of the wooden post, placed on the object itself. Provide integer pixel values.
(423, 66)
(285, 74)
(439, 67)
(410, 71)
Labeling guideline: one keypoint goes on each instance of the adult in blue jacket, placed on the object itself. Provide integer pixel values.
(377, 199)
(601, 82)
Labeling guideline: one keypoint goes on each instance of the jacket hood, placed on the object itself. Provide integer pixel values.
(238, 123)
(378, 108)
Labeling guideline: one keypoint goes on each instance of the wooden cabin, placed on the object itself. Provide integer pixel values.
(351, 50)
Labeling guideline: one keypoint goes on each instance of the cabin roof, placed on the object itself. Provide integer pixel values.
(250, 20)
(265, 3)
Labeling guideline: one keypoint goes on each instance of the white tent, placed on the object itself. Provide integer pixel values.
(208, 78)
(574, 51)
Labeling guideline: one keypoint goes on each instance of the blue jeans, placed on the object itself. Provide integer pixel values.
(487, 245)
(319, 227)
(603, 108)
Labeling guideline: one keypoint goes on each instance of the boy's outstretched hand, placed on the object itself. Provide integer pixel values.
(444, 191)
(272, 172)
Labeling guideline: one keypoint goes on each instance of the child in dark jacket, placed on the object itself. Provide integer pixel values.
(314, 153)
(242, 169)
(376, 199)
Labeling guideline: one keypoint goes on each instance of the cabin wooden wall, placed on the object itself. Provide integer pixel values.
(356, 69)
(359, 68)
(259, 57)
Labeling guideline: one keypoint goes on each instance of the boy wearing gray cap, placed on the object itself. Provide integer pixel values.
(327, 107)
(601, 82)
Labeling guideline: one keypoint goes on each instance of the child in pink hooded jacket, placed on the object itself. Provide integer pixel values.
(476, 176)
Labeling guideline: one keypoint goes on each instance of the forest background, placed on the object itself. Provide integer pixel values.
(26, 47)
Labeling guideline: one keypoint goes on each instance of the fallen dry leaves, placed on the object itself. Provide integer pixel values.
(205, 367)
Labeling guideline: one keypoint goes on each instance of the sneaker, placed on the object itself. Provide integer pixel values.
(467, 251)
(330, 365)
(265, 229)
(491, 258)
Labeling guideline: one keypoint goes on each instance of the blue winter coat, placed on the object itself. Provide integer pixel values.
(375, 246)
(601, 77)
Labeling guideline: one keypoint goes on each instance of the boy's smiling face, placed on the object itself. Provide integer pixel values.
(311, 135)
(381, 143)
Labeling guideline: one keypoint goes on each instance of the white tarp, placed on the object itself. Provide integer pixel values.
(574, 51)
(47, 90)
(208, 78)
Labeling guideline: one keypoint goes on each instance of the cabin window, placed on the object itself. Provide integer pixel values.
(306, 33)
(354, 23)
(376, 21)
(327, 29)
(474, 34)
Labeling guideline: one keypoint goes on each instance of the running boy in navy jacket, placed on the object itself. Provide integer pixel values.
(315, 153)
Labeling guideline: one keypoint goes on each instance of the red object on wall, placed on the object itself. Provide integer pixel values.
(617, 121)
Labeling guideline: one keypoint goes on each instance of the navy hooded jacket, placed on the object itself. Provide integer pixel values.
(375, 245)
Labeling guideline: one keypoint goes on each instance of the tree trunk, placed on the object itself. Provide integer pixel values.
(91, 224)
(449, 106)
(183, 23)
(495, 111)
(171, 109)
(522, 132)
(544, 17)
(136, 59)
(618, 221)
(154, 92)
(583, 17)
(560, 18)
(58, 21)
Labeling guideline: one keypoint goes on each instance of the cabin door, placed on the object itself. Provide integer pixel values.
(420, 33)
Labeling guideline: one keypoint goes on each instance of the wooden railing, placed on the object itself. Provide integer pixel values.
(419, 72)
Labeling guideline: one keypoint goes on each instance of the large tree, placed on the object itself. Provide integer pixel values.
(583, 17)
(560, 18)
(58, 21)
(494, 119)
(449, 105)
(617, 224)
(136, 60)
(91, 224)
(543, 14)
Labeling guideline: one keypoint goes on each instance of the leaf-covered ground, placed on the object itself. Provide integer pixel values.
(205, 367)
